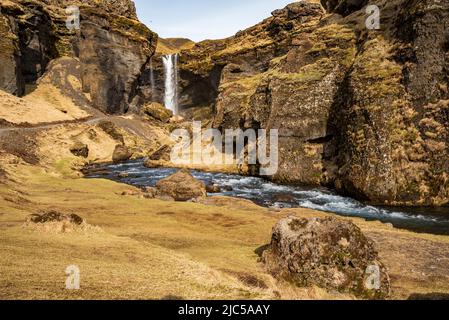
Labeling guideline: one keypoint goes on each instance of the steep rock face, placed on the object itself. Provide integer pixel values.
(393, 110)
(29, 43)
(112, 46)
(343, 7)
(124, 8)
(113, 51)
(364, 111)
(10, 79)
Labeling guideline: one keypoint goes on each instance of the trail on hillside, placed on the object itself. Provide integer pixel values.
(51, 125)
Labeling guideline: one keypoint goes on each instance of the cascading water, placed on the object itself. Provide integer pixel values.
(269, 194)
(171, 82)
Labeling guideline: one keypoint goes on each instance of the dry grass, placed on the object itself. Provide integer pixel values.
(45, 104)
(149, 249)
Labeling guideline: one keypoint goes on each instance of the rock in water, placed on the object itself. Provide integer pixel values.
(330, 253)
(181, 186)
(121, 153)
(213, 188)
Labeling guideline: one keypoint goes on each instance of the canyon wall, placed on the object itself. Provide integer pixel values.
(363, 111)
(111, 46)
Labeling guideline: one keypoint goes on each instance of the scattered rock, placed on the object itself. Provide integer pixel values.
(181, 186)
(283, 197)
(163, 153)
(121, 153)
(80, 149)
(165, 198)
(157, 111)
(95, 171)
(213, 188)
(123, 175)
(177, 119)
(153, 163)
(131, 193)
(53, 216)
(330, 253)
(56, 222)
(150, 192)
(228, 188)
(111, 129)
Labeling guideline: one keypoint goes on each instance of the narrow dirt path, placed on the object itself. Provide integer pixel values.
(50, 125)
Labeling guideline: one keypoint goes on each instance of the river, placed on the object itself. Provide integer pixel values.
(269, 194)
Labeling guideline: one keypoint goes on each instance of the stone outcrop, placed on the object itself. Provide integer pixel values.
(363, 111)
(80, 149)
(329, 253)
(181, 186)
(53, 216)
(121, 153)
(157, 111)
(112, 46)
(343, 7)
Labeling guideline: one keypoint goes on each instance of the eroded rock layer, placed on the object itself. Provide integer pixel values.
(112, 46)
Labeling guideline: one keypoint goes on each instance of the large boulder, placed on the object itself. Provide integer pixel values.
(330, 253)
(181, 186)
(121, 153)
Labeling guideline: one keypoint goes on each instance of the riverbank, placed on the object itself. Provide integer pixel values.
(151, 249)
(434, 220)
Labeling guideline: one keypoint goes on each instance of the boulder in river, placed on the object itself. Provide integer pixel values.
(213, 188)
(330, 253)
(181, 186)
(283, 197)
(121, 153)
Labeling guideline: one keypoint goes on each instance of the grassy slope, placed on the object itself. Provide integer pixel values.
(149, 249)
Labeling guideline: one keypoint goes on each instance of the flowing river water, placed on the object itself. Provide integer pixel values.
(268, 194)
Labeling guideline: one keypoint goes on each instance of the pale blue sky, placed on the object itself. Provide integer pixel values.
(204, 19)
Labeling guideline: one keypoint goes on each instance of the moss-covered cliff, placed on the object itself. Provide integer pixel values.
(364, 111)
(111, 44)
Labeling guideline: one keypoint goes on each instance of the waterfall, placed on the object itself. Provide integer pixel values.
(171, 82)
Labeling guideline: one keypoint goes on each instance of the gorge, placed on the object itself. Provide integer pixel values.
(87, 177)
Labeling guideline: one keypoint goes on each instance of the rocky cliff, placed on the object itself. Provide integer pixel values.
(111, 45)
(363, 111)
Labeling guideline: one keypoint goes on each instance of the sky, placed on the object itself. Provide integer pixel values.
(204, 19)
